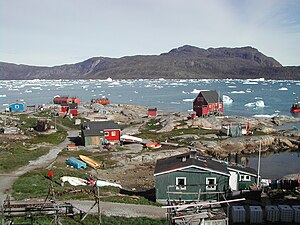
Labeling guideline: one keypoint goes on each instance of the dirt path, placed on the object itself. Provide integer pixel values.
(7, 180)
(121, 209)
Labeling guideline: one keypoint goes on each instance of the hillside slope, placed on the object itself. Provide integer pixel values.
(183, 62)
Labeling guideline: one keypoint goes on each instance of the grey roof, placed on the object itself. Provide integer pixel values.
(243, 169)
(211, 96)
(176, 162)
(95, 128)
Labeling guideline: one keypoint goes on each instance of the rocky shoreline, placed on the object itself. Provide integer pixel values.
(136, 164)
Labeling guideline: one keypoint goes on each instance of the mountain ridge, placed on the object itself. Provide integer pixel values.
(183, 62)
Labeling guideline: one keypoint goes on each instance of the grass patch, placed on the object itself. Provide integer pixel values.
(93, 219)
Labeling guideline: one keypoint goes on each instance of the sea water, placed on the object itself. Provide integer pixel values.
(257, 97)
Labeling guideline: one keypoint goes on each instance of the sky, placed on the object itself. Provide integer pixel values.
(56, 32)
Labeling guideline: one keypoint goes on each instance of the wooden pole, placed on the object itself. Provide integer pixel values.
(99, 209)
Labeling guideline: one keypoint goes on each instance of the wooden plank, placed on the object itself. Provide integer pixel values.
(200, 204)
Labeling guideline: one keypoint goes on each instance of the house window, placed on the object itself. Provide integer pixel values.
(211, 183)
(113, 133)
(17, 106)
(180, 183)
(245, 178)
(220, 106)
(106, 134)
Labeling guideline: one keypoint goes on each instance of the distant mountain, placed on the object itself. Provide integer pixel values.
(183, 62)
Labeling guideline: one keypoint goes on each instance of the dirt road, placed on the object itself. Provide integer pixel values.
(7, 180)
(121, 209)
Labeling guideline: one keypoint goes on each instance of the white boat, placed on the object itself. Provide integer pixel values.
(128, 138)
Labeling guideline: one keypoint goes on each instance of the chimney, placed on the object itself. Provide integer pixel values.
(193, 154)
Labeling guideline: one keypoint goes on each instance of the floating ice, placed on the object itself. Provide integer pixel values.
(250, 82)
(227, 99)
(237, 92)
(250, 104)
(266, 116)
(196, 91)
(282, 89)
(2, 96)
(109, 79)
(260, 103)
(188, 100)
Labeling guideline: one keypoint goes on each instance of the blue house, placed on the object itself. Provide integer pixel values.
(17, 107)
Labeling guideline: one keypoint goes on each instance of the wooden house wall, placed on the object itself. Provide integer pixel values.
(193, 176)
(242, 185)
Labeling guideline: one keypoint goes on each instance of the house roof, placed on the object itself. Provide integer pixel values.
(246, 170)
(179, 162)
(95, 128)
(211, 96)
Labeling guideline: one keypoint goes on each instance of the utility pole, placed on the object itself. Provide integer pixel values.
(258, 166)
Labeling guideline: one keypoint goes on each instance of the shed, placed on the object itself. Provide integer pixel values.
(232, 130)
(208, 103)
(17, 107)
(42, 125)
(152, 112)
(97, 132)
(76, 163)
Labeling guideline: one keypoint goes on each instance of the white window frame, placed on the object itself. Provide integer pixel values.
(211, 188)
(180, 187)
(106, 133)
(113, 133)
(244, 177)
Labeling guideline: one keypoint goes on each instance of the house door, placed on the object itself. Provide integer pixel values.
(233, 181)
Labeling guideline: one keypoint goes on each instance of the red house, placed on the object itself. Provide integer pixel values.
(208, 103)
(68, 108)
(95, 133)
(152, 112)
(66, 100)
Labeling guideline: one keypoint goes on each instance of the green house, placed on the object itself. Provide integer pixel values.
(190, 177)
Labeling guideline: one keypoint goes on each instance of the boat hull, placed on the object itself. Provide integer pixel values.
(92, 163)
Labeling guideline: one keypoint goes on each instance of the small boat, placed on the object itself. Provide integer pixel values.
(128, 138)
(90, 161)
(102, 183)
(74, 181)
(153, 145)
(295, 107)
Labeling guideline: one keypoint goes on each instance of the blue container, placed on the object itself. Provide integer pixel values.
(17, 107)
(76, 163)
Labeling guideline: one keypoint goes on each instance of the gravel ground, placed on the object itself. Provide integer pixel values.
(120, 209)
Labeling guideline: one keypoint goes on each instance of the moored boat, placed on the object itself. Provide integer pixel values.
(295, 108)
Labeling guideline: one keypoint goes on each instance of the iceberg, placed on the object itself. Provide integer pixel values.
(260, 103)
(227, 99)
(266, 116)
(282, 89)
(238, 92)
